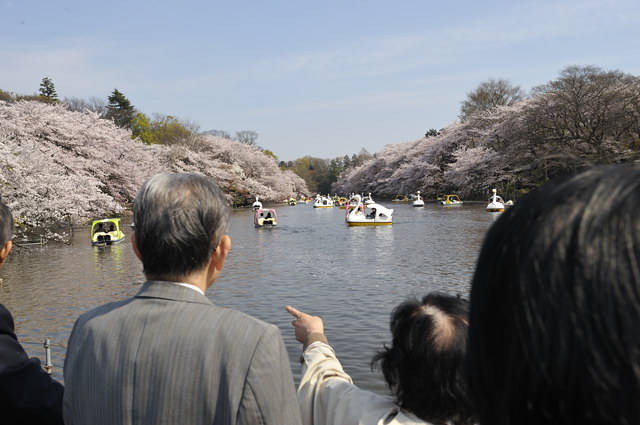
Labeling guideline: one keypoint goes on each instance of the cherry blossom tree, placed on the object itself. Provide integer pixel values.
(61, 168)
(587, 116)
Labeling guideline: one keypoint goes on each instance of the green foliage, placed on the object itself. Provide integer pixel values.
(303, 167)
(120, 110)
(141, 128)
(432, 132)
(33, 97)
(320, 174)
(163, 130)
(6, 96)
(48, 90)
(168, 130)
(270, 153)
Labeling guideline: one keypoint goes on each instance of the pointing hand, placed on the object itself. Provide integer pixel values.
(304, 324)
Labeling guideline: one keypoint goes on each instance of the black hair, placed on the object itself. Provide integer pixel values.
(555, 305)
(6, 224)
(424, 364)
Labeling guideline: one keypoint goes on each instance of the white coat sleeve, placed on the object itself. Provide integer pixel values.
(328, 396)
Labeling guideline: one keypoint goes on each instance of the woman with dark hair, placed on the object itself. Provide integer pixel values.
(555, 305)
(423, 368)
(28, 394)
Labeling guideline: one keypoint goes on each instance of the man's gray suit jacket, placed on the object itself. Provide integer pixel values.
(170, 356)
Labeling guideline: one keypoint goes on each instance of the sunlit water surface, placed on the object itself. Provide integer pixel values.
(351, 276)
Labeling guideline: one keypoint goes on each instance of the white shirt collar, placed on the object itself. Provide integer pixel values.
(188, 285)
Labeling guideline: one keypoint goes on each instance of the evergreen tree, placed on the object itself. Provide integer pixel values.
(432, 132)
(120, 110)
(48, 90)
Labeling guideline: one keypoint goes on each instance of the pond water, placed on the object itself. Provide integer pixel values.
(350, 276)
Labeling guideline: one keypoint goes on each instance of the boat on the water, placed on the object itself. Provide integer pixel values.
(256, 204)
(323, 202)
(342, 202)
(367, 215)
(496, 204)
(450, 200)
(106, 231)
(265, 217)
(351, 203)
(418, 201)
(400, 198)
(368, 199)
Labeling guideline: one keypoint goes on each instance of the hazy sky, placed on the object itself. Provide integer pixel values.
(324, 78)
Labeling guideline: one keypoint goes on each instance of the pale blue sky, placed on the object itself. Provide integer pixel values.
(324, 78)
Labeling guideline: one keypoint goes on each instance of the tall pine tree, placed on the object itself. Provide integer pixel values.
(120, 109)
(48, 90)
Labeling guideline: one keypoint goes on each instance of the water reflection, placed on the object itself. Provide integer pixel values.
(351, 276)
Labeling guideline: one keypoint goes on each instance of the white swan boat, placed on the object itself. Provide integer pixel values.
(369, 200)
(256, 205)
(323, 202)
(496, 204)
(367, 215)
(418, 201)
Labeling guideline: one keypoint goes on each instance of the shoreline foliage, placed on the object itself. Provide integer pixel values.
(63, 168)
(586, 117)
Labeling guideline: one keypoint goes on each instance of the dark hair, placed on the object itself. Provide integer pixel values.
(555, 305)
(179, 221)
(6, 224)
(424, 365)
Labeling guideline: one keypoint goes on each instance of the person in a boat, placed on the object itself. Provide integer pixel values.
(169, 355)
(28, 394)
(423, 368)
(555, 305)
(372, 214)
(100, 228)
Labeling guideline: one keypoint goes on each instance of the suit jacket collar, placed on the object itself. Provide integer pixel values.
(170, 291)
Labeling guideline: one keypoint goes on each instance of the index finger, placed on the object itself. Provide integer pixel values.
(294, 312)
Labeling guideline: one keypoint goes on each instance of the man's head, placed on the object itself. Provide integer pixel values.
(424, 364)
(555, 305)
(179, 220)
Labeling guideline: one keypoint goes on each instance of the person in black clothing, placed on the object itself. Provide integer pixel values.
(27, 393)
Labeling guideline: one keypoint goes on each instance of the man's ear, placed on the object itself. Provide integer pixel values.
(134, 245)
(217, 260)
(220, 254)
(4, 252)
